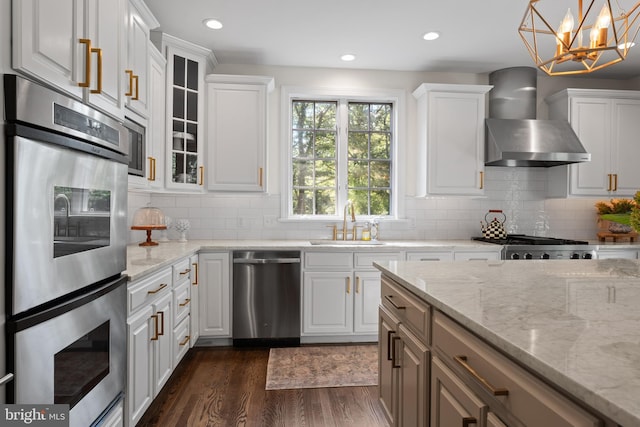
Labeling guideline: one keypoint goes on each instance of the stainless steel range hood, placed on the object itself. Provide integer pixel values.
(514, 137)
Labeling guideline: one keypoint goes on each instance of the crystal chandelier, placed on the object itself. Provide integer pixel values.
(596, 38)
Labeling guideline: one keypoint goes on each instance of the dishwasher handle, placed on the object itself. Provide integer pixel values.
(266, 261)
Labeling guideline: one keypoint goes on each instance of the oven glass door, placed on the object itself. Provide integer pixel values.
(68, 218)
(74, 354)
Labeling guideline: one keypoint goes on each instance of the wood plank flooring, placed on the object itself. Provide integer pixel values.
(225, 387)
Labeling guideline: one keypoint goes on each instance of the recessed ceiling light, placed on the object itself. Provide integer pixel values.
(431, 35)
(212, 23)
(348, 57)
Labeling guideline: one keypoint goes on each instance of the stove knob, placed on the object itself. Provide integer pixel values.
(545, 256)
(528, 256)
(588, 256)
(515, 256)
(575, 256)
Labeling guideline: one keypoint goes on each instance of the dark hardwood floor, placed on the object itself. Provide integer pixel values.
(226, 387)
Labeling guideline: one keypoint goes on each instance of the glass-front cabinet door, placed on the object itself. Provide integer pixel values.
(186, 68)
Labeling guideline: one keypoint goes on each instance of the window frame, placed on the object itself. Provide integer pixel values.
(390, 96)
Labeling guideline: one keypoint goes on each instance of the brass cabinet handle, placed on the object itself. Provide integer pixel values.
(357, 284)
(185, 303)
(389, 340)
(130, 72)
(155, 323)
(87, 63)
(186, 271)
(348, 285)
(201, 175)
(185, 340)
(496, 391)
(152, 169)
(98, 51)
(609, 188)
(466, 421)
(393, 353)
(481, 180)
(195, 266)
(615, 182)
(155, 291)
(161, 313)
(136, 97)
(260, 176)
(397, 307)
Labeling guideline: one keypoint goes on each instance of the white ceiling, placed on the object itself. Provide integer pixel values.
(477, 36)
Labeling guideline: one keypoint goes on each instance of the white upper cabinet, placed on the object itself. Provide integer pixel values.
(237, 131)
(156, 132)
(74, 45)
(136, 72)
(451, 133)
(607, 123)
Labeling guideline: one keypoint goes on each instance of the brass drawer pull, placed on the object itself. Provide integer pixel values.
(87, 65)
(183, 304)
(98, 51)
(187, 270)
(185, 340)
(156, 327)
(397, 307)
(195, 266)
(130, 73)
(161, 287)
(161, 313)
(462, 361)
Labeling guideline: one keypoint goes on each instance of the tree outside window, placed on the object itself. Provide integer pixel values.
(330, 166)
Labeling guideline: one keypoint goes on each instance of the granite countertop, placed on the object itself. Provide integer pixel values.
(576, 323)
(142, 261)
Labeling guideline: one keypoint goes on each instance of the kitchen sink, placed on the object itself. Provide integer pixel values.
(329, 242)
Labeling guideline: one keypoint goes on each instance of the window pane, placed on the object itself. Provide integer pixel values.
(192, 169)
(325, 173)
(302, 144)
(178, 103)
(358, 116)
(358, 145)
(303, 116)
(178, 70)
(380, 174)
(302, 174)
(380, 145)
(326, 145)
(178, 167)
(358, 174)
(381, 117)
(380, 202)
(302, 202)
(192, 74)
(360, 200)
(326, 115)
(192, 106)
(325, 202)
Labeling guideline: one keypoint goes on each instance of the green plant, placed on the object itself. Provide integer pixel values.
(634, 217)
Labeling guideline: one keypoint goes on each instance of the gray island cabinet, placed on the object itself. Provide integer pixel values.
(510, 343)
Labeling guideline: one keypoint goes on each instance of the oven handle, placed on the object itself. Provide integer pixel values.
(20, 322)
(4, 380)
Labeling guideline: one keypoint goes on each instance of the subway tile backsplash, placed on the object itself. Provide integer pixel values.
(519, 192)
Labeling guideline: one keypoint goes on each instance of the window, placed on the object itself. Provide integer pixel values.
(341, 149)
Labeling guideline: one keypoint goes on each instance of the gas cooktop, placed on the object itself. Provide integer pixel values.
(523, 239)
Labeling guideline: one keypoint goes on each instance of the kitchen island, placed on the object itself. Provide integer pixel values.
(575, 325)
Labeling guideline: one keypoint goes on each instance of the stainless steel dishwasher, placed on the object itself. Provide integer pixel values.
(266, 298)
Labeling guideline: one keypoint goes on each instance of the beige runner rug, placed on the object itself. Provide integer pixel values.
(322, 366)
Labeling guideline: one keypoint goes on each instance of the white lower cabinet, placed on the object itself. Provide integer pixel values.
(115, 418)
(214, 295)
(341, 294)
(158, 325)
(195, 299)
(477, 255)
(617, 254)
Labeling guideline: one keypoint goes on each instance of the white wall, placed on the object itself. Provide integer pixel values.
(520, 192)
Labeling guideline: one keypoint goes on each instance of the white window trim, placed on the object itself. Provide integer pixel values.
(395, 96)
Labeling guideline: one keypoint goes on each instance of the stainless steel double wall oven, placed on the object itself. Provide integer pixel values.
(66, 251)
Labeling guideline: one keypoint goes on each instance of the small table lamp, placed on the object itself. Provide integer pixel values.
(148, 219)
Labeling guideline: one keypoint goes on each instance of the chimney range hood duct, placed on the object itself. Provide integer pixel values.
(513, 135)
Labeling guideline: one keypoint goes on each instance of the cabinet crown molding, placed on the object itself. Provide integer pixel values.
(267, 81)
(450, 88)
